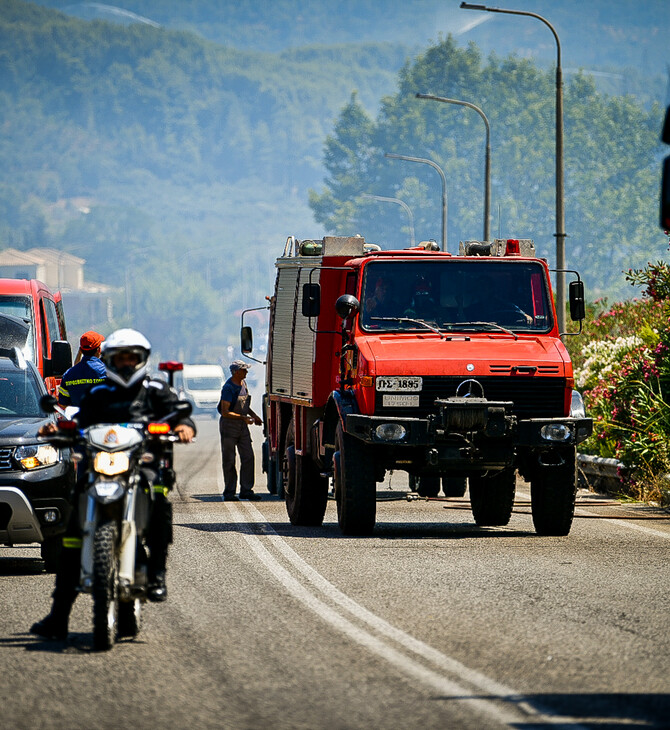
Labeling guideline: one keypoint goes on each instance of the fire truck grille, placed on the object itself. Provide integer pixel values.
(533, 397)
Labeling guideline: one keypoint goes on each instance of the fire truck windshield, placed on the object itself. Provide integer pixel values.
(454, 295)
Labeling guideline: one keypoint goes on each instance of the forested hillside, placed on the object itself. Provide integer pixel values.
(177, 144)
(596, 33)
(176, 153)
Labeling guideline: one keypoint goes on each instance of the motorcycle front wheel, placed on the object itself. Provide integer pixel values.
(130, 619)
(105, 586)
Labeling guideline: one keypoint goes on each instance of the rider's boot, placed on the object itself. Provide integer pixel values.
(55, 624)
(159, 538)
(158, 587)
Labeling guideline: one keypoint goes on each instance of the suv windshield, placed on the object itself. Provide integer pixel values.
(455, 295)
(19, 393)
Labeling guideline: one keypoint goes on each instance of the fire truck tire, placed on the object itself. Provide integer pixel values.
(271, 476)
(279, 478)
(454, 486)
(270, 468)
(305, 490)
(307, 495)
(355, 485)
(492, 498)
(552, 497)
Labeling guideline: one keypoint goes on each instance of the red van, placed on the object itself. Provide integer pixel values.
(36, 306)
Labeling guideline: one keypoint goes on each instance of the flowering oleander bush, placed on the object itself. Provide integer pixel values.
(622, 368)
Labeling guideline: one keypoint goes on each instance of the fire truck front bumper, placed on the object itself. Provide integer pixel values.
(495, 427)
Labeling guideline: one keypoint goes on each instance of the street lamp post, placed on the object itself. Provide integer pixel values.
(405, 207)
(560, 209)
(444, 188)
(487, 164)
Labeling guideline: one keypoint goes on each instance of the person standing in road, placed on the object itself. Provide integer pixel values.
(88, 371)
(236, 416)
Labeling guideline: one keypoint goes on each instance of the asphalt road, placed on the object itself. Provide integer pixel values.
(430, 623)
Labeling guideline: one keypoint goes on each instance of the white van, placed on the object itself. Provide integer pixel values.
(201, 384)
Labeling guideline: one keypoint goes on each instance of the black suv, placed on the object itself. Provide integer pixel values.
(36, 479)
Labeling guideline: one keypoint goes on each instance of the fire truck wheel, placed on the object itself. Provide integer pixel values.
(307, 495)
(303, 487)
(270, 468)
(492, 498)
(279, 478)
(454, 486)
(552, 497)
(355, 485)
(288, 467)
(271, 476)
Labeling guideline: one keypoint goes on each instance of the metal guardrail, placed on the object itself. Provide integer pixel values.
(598, 473)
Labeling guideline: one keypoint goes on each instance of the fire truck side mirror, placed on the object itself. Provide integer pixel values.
(577, 307)
(665, 179)
(346, 305)
(246, 340)
(311, 300)
(665, 195)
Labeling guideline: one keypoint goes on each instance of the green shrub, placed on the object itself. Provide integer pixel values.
(623, 372)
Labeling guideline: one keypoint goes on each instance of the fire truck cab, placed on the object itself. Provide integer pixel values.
(448, 367)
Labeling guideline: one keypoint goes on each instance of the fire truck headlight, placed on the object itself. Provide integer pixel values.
(555, 432)
(390, 432)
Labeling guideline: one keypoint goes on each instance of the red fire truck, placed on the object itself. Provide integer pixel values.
(448, 367)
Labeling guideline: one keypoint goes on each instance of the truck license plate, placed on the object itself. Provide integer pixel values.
(399, 385)
(400, 401)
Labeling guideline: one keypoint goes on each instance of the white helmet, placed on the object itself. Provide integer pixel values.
(130, 341)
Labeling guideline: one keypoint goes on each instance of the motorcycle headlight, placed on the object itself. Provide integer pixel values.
(111, 464)
(34, 456)
(106, 492)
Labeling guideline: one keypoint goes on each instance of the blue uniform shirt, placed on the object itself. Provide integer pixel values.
(79, 379)
(230, 392)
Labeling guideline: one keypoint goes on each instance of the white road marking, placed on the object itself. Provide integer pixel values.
(503, 704)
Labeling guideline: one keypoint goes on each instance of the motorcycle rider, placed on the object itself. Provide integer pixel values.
(128, 394)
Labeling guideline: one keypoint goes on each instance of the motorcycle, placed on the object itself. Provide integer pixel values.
(115, 510)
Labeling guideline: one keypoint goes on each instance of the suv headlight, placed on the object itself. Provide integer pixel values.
(34, 456)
